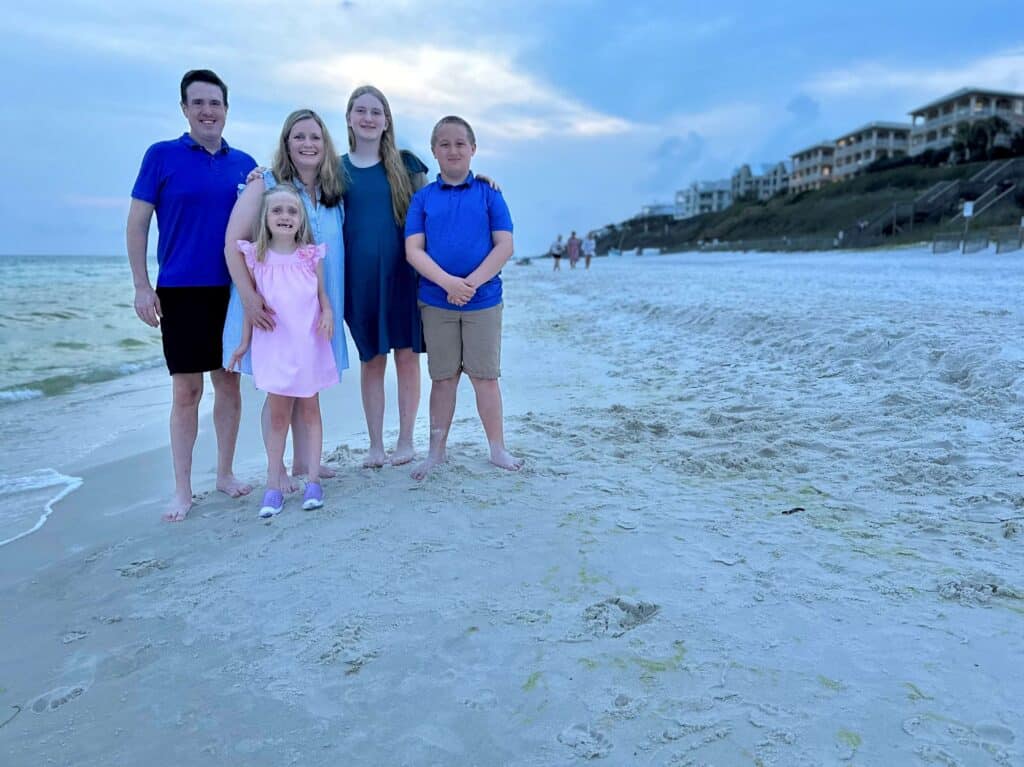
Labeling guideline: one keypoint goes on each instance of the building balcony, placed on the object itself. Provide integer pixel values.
(964, 115)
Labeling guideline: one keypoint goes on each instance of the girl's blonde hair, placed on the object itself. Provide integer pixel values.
(394, 167)
(263, 235)
(332, 183)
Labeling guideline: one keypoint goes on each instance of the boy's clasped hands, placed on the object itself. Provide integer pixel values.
(460, 290)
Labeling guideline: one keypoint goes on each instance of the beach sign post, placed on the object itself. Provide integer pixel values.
(967, 213)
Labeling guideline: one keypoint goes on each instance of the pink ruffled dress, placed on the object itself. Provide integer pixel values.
(294, 359)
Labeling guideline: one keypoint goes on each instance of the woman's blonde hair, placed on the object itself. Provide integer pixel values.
(263, 235)
(394, 168)
(332, 183)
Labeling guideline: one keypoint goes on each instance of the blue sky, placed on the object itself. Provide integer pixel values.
(584, 111)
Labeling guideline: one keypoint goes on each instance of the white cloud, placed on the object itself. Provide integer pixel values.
(317, 58)
(1000, 71)
(426, 82)
(724, 121)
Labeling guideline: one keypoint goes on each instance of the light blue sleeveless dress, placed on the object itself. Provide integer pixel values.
(327, 225)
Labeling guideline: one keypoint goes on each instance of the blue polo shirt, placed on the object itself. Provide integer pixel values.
(457, 221)
(193, 192)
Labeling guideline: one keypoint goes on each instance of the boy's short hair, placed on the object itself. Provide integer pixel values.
(452, 120)
(202, 76)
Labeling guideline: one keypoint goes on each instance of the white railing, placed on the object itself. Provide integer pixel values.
(994, 200)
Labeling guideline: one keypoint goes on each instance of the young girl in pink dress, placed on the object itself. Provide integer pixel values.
(292, 362)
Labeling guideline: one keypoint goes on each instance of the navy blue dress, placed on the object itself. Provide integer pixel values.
(380, 286)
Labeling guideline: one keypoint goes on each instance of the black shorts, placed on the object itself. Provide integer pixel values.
(192, 326)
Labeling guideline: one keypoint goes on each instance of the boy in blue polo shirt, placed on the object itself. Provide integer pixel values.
(458, 235)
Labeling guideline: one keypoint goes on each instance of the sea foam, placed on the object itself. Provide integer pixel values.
(42, 479)
(19, 395)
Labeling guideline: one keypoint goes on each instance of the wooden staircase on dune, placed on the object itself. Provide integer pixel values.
(985, 188)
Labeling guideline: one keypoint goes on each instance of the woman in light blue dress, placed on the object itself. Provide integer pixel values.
(307, 160)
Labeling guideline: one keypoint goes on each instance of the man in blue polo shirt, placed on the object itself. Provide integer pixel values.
(458, 235)
(191, 184)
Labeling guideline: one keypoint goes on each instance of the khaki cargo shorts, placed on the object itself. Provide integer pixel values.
(468, 341)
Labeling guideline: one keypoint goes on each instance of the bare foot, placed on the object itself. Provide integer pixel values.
(232, 486)
(326, 472)
(283, 481)
(503, 459)
(402, 454)
(374, 459)
(424, 468)
(177, 510)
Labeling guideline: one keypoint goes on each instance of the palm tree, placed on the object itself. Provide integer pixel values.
(997, 127)
(962, 143)
(1017, 143)
(984, 134)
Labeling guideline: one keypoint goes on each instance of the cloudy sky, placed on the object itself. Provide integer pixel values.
(584, 111)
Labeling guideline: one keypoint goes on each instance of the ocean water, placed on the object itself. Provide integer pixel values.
(68, 321)
(78, 368)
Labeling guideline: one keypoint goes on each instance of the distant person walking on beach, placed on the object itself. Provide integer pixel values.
(589, 249)
(293, 361)
(572, 249)
(458, 236)
(191, 184)
(557, 249)
(306, 159)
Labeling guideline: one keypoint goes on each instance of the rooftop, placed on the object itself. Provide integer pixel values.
(878, 124)
(965, 92)
(819, 145)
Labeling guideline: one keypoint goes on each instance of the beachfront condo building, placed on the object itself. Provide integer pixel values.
(774, 180)
(875, 141)
(934, 125)
(703, 197)
(812, 167)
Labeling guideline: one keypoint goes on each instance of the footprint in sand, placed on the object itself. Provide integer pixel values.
(625, 707)
(142, 568)
(977, 591)
(994, 733)
(54, 699)
(991, 737)
(616, 616)
(126, 660)
(349, 647)
(586, 742)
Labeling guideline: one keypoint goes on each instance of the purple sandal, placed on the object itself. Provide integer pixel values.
(273, 502)
(313, 498)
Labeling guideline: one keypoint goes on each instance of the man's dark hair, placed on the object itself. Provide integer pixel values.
(202, 76)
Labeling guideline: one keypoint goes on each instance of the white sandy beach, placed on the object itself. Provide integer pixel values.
(637, 595)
